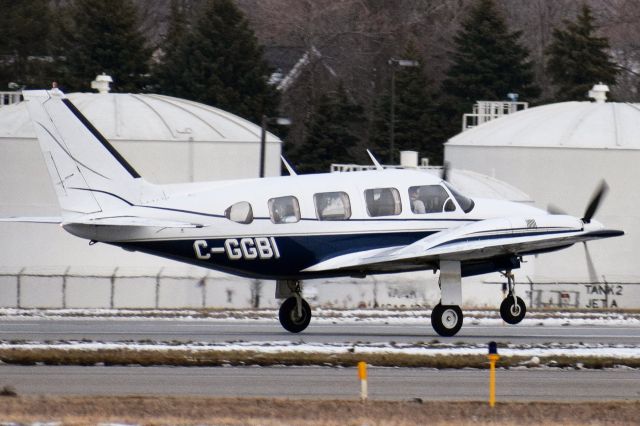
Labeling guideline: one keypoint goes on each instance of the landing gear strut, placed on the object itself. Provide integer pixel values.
(512, 308)
(295, 312)
(446, 316)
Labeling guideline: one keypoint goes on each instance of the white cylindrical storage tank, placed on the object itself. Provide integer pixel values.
(167, 140)
(558, 154)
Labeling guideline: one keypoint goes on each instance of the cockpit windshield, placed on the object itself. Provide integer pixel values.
(466, 203)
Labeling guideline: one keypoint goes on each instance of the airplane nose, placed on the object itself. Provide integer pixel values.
(593, 225)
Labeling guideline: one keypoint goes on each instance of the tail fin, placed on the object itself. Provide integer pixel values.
(88, 174)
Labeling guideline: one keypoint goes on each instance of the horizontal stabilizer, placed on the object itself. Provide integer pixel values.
(33, 219)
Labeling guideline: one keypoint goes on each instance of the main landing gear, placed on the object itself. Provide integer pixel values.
(295, 313)
(446, 320)
(446, 317)
(512, 308)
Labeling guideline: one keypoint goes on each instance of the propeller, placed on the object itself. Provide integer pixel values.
(595, 202)
(593, 275)
(553, 209)
(590, 211)
(445, 171)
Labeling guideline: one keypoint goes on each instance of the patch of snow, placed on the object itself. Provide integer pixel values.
(532, 352)
(327, 316)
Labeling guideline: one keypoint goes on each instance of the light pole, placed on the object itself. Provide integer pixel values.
(394, 63)
(281, 121)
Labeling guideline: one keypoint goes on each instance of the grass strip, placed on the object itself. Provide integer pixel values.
(213, 358)
(152, 410)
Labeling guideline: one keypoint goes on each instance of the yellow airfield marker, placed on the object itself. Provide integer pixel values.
(493, 358)
(362, 375)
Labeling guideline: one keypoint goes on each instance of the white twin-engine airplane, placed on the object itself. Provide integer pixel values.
(293, 228)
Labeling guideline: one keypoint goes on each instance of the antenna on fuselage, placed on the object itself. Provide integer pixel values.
(288, 166)
(375, 161)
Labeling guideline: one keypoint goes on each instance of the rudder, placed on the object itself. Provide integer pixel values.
(87, 173)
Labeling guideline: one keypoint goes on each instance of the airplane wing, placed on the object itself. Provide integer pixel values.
(480, 240)
(133, 221)
(33, 219)
(105, 221)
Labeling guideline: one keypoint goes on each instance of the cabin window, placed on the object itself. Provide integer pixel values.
(383, 202)
(284, 209)
(430, 199)
(465, 203)
(332, 205)
(240, 212)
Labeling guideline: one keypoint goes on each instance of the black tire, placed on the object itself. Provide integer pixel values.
(511, 312)
(446, 320)
(289, 315)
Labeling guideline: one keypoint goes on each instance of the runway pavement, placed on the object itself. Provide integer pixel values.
(324, 382)
(118, 329)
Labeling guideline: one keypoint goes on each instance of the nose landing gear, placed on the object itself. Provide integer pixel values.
(295, 312)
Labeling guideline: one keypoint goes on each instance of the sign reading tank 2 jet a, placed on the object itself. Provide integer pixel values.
(293, 228)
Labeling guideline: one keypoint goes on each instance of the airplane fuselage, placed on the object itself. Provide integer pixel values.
(268, 248)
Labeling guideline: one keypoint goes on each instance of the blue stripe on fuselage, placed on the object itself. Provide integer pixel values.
(295, 252)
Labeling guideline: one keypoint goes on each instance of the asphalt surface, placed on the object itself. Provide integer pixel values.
(324, 382)
(113, 330)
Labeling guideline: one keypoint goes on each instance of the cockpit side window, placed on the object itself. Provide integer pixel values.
(383, 202)
(284, 209)
(465, 203)
(240, 212)
(332, 205)
(430, 199)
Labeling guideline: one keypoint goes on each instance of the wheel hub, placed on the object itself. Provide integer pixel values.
(449, 318)
(515, 309)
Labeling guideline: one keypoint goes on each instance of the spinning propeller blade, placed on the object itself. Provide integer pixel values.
(553, 209)
(445, 171)
(593, 275)
(595, 202)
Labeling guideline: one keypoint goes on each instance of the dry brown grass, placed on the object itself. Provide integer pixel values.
(212, 358)
(258, 411)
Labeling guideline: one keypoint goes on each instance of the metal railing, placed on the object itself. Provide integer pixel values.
(9, 98)
(336, 168)
(484, 111)
(66, 289)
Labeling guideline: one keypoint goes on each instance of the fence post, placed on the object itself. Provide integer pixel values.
(19, 288)
(64, 287)
(158, 288)
(203, 283)
(113, 288)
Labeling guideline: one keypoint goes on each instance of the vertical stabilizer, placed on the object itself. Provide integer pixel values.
(87, 173)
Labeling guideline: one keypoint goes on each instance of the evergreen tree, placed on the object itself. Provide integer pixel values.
(24, 53)
(578, 59)
(331, 134)
(102, 36)
(488, 63)
(170, 66)
(417, 120)
(220, 63)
